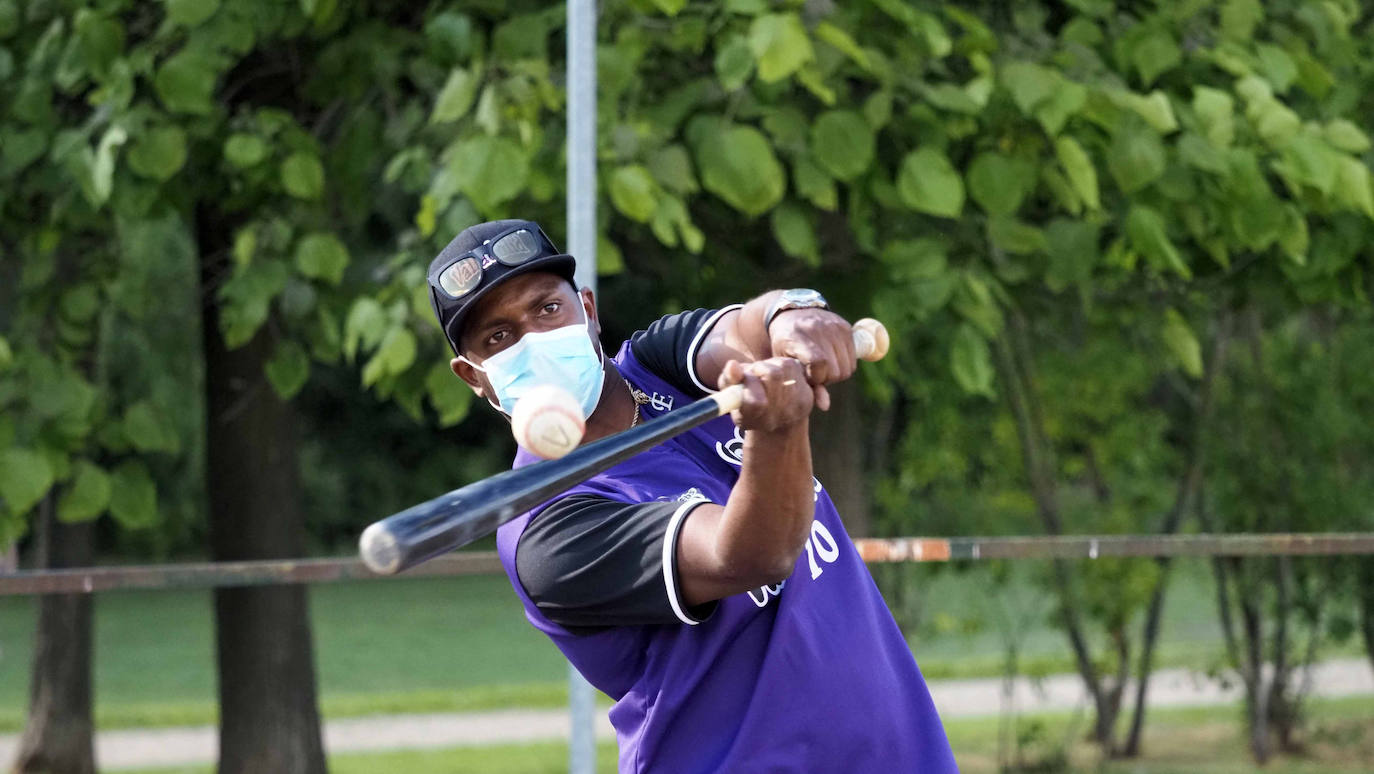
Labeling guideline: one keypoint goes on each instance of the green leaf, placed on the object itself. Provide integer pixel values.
(244, 150)
(634, 192)
(779, 44)
(133, 496)
(1352, 186)
(1214, 111)
(670, 7)
(1015, 236)
(814, 184)
(1239, 19)
(158, 153)
(79, 304)
(928, 183)
(738, 165)
(191, 13)
(25, 476)
(365, 325)
(672, 169)
(918, 259)
(734, 62)
(1073, 249)
(288, 370)
(1137, 157)
(21, 148)
(1153, 107)
(490, 170)
(1294, 238)
(1154, 55)
(102, 169)
(302, 176)
(457, 96)
(393, 356)
(1277, 66)
(1150, 237)
(971, 362)
(449, 396)
(842, 42)
(1346, 136)
(1312, 161)
(999, 182)
(795, 234)
(843, 143)
(321, 256)
(186, 82)
(1066, 101)
(87, 496)
(1182, 344)
(6, 354)
(147, 430)
(1029, 84)
(247, 298)
(1079, 169)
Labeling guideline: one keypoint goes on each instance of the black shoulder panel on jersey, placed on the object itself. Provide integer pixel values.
(589, 562)
(665, 347)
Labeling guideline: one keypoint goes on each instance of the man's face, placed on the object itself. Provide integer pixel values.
(529, 303)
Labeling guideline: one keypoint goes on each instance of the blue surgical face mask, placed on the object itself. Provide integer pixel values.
(563, 356)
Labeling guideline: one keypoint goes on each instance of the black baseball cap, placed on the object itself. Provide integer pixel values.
(482, 257)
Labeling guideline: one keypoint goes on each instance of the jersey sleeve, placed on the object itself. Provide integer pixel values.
(588, 562)
(669, 347)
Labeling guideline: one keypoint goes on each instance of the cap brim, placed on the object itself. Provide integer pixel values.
(562, 264)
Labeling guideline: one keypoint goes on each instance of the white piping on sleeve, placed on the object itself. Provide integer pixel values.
(696, 343)
(670, 560)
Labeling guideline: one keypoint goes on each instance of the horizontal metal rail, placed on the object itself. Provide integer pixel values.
(1101, 546)
(282, 571)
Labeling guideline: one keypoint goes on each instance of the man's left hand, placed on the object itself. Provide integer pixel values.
(821, 340)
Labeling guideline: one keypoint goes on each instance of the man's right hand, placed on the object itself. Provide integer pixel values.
(776, 394)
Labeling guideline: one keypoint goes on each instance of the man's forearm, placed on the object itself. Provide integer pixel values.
(768, 516)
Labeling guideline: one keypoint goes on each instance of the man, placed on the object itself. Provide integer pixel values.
(707, 584)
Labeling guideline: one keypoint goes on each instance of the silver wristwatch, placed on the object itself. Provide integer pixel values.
(796, 298)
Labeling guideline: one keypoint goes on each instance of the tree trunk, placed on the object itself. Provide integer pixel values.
(1365, 594)
(1188, 489)
(838, 453)
(58, 738)
(269, 721)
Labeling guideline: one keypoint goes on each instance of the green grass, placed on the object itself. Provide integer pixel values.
(1179, 741)
(454, 644)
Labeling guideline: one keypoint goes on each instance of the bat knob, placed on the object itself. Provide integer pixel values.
(379, 550)
(870, 339)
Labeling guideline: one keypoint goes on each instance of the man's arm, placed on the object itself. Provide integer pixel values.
(756, 537)
(821, 340)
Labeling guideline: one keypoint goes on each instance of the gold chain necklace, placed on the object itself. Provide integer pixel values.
(638, 396)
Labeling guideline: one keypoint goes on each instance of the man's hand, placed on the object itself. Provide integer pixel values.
(777, 396)
(821, 341)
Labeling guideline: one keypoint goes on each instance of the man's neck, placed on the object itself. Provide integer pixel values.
(615, 411)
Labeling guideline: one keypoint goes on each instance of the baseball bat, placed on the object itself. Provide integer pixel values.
(453, 520)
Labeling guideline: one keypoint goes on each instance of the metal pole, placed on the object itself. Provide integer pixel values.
(581, 209)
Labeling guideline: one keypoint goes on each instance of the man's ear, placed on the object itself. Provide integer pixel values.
(589, 305)
(464, 370)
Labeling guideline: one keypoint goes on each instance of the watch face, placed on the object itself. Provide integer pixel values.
(802, 295)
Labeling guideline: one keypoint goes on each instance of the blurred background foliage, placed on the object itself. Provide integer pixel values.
(1121, 248)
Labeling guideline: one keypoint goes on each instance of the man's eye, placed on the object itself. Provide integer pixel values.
(496, 338)
(552, 306)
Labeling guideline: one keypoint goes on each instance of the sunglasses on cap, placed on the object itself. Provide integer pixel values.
(463, 274)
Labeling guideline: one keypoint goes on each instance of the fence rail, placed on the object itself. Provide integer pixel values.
(270, 572)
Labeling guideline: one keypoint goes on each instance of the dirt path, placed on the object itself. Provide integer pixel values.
(148, 748)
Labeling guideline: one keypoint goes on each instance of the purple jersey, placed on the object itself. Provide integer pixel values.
(810, 675)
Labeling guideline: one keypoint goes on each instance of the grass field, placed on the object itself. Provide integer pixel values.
(433, 644)
(1193, 741)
